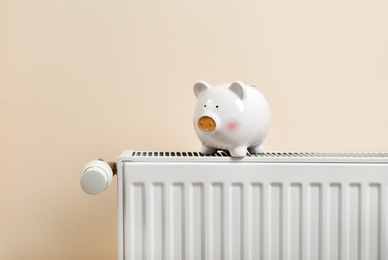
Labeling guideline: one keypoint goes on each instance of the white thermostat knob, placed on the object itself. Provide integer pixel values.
(96, 177)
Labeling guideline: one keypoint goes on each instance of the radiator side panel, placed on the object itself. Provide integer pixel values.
(254, 211)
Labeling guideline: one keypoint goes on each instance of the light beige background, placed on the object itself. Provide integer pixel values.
(81, 80)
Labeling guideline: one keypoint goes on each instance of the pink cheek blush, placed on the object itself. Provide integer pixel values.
(233, 125)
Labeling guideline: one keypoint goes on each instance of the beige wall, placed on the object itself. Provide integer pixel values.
(81, 80)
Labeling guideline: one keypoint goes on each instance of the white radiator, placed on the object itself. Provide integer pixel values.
(301, 206)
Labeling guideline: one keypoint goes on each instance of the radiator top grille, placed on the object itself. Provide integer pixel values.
(222, 156)
(262, 155)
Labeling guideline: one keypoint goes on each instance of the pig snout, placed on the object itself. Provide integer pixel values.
(206, 124)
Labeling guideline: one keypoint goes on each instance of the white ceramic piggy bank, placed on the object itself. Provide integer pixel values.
(233, 117)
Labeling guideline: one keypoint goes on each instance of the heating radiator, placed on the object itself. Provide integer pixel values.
(302, 206)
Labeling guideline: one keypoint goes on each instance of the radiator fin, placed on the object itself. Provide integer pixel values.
(257, 221)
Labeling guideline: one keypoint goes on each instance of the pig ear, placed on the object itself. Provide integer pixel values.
(239, 89)
(200, 87)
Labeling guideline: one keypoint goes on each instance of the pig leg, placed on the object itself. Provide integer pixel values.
(256, 149)
(208, 150)
(238, 151)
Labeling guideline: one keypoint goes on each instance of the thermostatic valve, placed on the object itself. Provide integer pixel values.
(96, 176)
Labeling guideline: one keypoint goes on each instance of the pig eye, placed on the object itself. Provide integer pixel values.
(217, 106)
(204, 105)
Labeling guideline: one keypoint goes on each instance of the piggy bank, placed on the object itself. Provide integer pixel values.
(233, 117)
